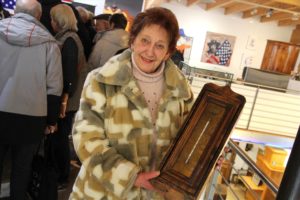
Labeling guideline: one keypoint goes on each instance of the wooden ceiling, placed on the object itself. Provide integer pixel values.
(284, 12)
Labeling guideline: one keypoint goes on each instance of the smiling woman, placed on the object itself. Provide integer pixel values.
(150, 48)
(130, 110)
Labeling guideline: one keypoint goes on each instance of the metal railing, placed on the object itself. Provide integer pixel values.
(267, 109)
(252, 167)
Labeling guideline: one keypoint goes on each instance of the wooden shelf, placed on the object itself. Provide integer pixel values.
(272, 164)
(247, 180)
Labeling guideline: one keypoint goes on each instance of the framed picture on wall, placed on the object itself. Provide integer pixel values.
(218, 48)
(251, 43)
(184, 46)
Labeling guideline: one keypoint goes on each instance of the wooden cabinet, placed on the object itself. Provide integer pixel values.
(272, 164)
(280, 57)
(295, 38)
(254, 192)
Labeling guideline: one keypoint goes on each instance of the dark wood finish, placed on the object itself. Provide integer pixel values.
(295, 38)
(280, 57)
(200, 140)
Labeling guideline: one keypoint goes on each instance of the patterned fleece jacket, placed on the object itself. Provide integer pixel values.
(113, 132)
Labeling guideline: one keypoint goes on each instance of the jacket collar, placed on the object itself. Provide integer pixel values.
(118, 71)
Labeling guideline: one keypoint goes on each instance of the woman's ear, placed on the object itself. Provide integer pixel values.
(167, 56)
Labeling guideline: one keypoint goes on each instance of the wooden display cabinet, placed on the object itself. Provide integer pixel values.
(258, 190)
(272, 164)
(280, 57)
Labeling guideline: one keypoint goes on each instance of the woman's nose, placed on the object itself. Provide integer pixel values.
(150, 50)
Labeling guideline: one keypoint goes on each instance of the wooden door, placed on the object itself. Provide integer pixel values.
(280, 57)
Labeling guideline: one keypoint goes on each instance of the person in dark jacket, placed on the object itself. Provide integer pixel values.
(87, 19)
(3, 13)
(82, 31)
(45, 18)
(110, 42)
(30, 89)
(64, 23)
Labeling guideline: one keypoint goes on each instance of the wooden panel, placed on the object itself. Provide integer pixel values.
(271, 163)
(288, 22)
(276, 16)
(252, 13)
(237, 8)
(199, 142)
(256, 190)
(295, 38)
(218, 4)
(275, 156)
(280, 57)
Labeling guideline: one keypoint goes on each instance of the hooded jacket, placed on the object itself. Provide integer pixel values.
(106, 47)
(113, 130)
(30, 68)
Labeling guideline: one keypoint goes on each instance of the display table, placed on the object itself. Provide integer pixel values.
(258, 190)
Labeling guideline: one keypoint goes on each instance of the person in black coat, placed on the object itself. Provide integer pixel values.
(45, 18)
(82, 30)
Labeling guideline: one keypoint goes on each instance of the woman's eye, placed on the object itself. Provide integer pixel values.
(160, 46)
(145, 41)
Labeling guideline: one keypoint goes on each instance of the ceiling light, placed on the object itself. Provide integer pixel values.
(295, 17)
(269, 12)
(254, 11)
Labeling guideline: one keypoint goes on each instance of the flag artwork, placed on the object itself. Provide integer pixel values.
(218, 49)
(8, 4)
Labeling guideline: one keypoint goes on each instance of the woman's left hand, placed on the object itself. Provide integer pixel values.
(143, 179)
(63, 108)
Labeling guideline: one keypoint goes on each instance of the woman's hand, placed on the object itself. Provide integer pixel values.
(50, 129)
(63, 105)
(143, 179)
(63, 108)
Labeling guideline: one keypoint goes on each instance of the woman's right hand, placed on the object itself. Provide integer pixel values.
(143, 180)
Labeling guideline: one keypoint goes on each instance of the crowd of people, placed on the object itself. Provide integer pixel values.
(117, 93)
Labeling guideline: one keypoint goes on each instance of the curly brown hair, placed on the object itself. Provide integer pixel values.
(158, 16)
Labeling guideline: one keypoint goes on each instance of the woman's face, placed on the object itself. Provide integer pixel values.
(150, 48)
(54, 26)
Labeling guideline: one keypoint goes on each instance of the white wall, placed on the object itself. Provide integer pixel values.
(196, 21)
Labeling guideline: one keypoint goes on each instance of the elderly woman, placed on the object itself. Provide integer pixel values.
(130, 111)
(64, 22)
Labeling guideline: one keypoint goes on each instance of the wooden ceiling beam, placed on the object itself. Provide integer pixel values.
(238, 7)
(218, 4)
(268, 5)
(288, 22)
(276, 16)
(250, 13)
(191, 2)
(290, 2)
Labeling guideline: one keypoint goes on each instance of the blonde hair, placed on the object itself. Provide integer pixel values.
(64, 17)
